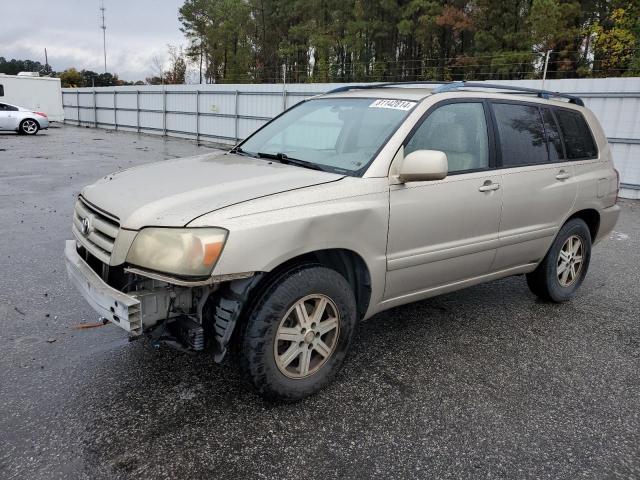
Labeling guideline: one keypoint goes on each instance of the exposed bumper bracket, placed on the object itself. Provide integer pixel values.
(117, 307)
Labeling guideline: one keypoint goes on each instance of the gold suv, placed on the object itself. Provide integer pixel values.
(347, 204)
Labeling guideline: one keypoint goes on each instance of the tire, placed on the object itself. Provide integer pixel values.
(554, 279)
(276, 314)
(28, 126)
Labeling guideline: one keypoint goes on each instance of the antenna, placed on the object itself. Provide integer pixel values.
(104, 35)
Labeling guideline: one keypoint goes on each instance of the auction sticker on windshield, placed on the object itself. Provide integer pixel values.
(395, 104)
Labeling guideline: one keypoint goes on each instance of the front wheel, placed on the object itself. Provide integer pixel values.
(563, 269)
(298, 333)
(28, 127)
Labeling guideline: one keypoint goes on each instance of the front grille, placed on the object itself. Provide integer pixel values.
(103, 229)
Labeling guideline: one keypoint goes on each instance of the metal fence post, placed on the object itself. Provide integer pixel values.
(197, 118)
(95, 110)
(78, 105)
(284, 99)
(236, 117)
(115, 109)
(164, 112)
(138, 111)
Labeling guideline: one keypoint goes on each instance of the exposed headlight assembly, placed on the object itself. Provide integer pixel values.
(185, 252)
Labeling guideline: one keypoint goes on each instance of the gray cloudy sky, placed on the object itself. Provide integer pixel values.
(137, 30)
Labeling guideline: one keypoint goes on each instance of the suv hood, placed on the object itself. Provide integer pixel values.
(174, 192)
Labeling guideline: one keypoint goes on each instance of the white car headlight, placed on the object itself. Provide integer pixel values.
(190, 252)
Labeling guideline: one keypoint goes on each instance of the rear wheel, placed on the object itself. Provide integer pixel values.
(28, 127)
(563, 269)
(298, 333)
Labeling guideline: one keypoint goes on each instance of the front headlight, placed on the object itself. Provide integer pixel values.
(189, 252)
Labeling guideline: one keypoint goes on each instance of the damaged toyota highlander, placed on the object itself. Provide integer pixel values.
(347, 204)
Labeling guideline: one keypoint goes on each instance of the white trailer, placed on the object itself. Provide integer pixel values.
(42, 94)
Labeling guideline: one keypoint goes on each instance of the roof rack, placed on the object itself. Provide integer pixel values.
(450, 86)
(368, 86)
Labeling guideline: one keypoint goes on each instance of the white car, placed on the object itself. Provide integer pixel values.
(22, 120)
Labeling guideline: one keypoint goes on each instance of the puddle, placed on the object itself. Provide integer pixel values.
(618, 236)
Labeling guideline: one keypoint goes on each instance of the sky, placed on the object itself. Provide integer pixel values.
(137, 30)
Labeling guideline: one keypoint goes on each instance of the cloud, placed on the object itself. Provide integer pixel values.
(136, 33)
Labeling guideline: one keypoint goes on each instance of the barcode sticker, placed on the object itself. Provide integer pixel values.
(395, 104)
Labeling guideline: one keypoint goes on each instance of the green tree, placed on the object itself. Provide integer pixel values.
(616, 42)
(14, 66)
(71, 78)
(355, 40)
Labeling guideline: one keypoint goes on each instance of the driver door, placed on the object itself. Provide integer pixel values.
(446, 231)
(4, 117)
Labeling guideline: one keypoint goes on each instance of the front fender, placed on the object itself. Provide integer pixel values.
(265, 234)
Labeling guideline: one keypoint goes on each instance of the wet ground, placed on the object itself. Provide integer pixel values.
(485, 383)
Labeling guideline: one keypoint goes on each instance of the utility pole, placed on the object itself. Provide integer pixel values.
(46, 58)
(200, 80)
(284, 86)
(104, 35)
(546, 63)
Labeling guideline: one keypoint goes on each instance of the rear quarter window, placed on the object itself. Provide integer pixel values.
(578, 140)
(521, 134)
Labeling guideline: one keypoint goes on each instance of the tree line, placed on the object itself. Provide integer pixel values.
(69, 77)
(173, 73)
(265, 41)
(376, 40)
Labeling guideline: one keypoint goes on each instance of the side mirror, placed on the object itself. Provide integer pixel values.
(423, 165)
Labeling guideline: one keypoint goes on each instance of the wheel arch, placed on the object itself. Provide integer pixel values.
(591, 217)
(229, 306)
(350, 264)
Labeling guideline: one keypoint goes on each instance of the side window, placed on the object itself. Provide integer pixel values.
(457, 129)
(553, 135)
(521, 134)
(576, 134)
(1, 90)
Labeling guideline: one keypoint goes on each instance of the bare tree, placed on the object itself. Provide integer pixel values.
(177, 70)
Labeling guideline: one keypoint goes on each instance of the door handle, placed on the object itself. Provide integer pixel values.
(562, 175)
(489, 186)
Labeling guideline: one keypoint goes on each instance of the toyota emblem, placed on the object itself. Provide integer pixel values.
(86, 226)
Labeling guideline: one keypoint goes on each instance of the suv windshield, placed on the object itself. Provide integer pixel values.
(338, 134)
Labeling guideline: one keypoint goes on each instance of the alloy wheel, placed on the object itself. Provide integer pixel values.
(29, 127)
(307, 336)
(570, 261)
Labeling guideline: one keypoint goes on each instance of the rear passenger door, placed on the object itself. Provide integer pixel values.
(539, 188)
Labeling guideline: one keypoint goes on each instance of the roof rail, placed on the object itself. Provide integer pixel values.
(539, 93)
(450, 86)
(367, 86)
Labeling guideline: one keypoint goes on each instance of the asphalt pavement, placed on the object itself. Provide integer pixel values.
(488, 382)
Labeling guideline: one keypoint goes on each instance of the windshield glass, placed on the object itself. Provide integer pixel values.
(339, 134)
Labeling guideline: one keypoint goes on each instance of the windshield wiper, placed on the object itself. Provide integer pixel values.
(240, 151)
(284, 158)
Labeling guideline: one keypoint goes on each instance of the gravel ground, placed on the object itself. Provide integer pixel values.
(487, 382)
